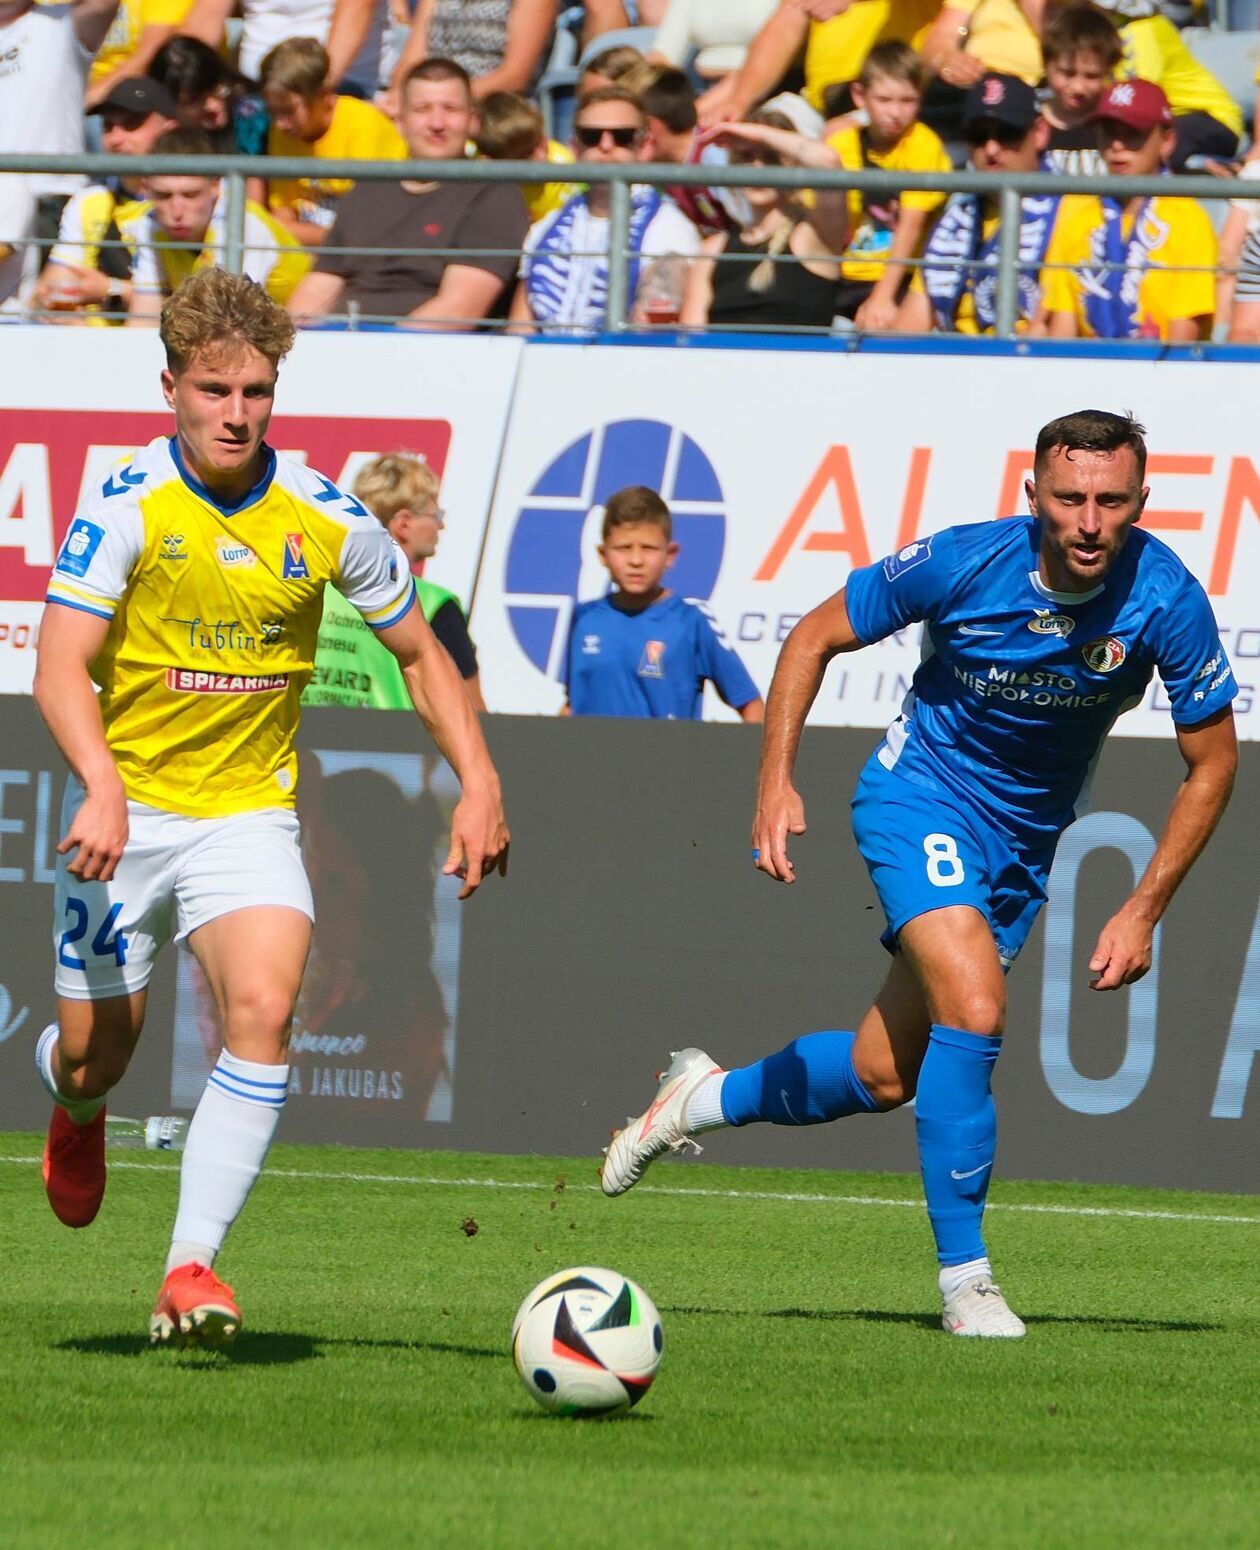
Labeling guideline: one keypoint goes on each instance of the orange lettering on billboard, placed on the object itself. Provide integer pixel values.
(1170, 521)
(1242, 490)
(835, 472)
(912, 504)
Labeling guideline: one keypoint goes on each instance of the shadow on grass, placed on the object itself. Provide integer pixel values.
(261, 1348)
(932, 1321)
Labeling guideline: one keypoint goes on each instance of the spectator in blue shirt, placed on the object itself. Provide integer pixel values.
(640, 650)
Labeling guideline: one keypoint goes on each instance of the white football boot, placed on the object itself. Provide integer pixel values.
(661, 1128)
(978, 1308)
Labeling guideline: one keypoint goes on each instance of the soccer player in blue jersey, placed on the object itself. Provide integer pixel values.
(1039, 632)
(640, 650)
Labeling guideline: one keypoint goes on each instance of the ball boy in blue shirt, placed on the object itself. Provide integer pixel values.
(640, 650)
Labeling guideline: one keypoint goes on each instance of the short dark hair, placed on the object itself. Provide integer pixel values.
(439, 70)
(894, 61)
(664, 93)
(636, 503)
(1092, 430)
(185, 142)
(189, 69)
(1076, 29)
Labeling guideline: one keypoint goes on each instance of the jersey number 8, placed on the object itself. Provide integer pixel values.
(944, 865)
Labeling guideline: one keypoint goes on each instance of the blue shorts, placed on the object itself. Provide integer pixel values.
(927, 849)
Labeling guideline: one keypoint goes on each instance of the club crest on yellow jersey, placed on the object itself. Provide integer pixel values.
(295, 567)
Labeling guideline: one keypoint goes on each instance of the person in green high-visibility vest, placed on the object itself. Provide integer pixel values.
(351, 666)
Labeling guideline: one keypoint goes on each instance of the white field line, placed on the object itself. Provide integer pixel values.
(792, 1197)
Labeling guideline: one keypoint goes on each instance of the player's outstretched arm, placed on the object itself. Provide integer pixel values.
(479, 833)
(822, 634)
(69, 639)
(1210, 749)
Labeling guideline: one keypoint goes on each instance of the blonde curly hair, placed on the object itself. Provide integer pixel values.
(213, 311)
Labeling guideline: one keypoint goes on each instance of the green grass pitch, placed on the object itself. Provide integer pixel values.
(807, 1396)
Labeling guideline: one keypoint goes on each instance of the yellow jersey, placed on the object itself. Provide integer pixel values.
(213, 616)
(160, 265)
(1155, 51)
(92, 217)
(872, 217)
(1001, 35)
(130, 20)
(1176, 236)
(542, 198)
(836, 50)
(358, 132)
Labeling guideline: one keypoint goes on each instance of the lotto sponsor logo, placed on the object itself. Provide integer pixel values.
(1051, 624)
(187, 680)
(1105, 654)
(234, 555)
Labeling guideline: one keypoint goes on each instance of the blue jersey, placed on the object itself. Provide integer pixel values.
(1019, 685)
(650, 663)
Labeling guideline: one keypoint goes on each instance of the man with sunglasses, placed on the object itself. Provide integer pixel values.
(956, 288)
(564, 271)
(1137, 268)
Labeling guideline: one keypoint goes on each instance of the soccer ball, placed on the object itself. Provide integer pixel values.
(587, 1342)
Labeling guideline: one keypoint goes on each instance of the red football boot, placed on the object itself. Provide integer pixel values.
(194, 1308)
(74, 1167)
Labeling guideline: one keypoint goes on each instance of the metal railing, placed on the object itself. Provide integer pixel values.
(1006, 188)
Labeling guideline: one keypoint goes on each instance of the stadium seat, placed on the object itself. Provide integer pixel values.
(559, 78)
(558, 86)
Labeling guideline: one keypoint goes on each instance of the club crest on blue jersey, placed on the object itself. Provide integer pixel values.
(81, 543)
(1046, 623)
(652, 662)
(1105, 654)
(295, 566)
(906, 559)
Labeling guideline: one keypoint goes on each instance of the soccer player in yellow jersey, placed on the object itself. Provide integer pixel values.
(180, 632)
(1144, 269)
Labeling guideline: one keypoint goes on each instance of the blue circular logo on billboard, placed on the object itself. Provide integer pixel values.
(552, 560)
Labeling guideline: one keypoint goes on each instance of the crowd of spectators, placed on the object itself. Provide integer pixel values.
(1088, 88)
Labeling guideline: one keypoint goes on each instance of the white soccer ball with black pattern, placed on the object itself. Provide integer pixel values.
(587, 1342)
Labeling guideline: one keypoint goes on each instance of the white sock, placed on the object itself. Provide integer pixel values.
(80, 1110)
(954, 1277)
(227, 1143)
(704, 1107)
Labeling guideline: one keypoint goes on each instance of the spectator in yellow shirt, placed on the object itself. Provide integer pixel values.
(1141, 269)
(1207, 120)
(308, 118)
(510, 128)
(139, 29)
(886, 230)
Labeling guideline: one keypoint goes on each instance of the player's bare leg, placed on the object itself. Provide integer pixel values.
(253, 960)
(80, 1057)
(955, 960)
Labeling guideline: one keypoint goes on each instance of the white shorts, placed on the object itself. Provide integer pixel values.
(174, 870)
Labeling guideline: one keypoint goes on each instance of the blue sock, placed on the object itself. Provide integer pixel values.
(809, 1081)
(956, 1124)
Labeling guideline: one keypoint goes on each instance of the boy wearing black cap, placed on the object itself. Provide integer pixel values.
(956, 288)
(1139, 268)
